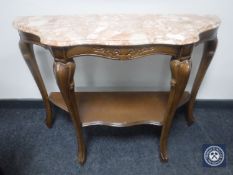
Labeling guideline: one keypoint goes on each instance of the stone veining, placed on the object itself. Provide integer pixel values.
(121, 29)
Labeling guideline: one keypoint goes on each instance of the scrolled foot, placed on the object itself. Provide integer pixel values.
(82, 157)
(49, 118)
(163, 157)
(48, 123)
(163, 150)
(189, 115)
(190, 120)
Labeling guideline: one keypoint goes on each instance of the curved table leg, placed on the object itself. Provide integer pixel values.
(64, 72)
(209, 50)
(180, 74)
(29, 57)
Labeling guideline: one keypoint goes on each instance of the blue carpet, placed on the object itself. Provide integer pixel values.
(27, 147)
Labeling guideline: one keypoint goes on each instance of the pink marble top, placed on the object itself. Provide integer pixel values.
(123, 29)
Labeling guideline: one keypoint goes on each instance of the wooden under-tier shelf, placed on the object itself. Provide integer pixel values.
(119, 108)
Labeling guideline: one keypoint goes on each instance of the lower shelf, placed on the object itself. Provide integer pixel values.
(119, 108)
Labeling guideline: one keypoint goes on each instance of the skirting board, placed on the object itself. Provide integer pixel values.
(31, 103)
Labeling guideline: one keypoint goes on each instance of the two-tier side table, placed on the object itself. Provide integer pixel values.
(119, 37)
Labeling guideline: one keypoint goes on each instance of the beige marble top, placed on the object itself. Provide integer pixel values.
(123, 29)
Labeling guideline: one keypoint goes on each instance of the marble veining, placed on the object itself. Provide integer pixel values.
(121, 29)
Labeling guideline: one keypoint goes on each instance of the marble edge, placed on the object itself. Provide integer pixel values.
(95, 42)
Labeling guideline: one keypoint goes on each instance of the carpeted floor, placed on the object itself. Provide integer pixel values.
(27, 147)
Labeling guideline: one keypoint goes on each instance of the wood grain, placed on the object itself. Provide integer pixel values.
(208, 54)
(119, 108)
(64, 73)
(29, 57)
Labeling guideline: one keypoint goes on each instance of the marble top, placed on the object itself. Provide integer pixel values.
(121, 29)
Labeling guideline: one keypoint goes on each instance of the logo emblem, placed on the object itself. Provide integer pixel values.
(214, 155)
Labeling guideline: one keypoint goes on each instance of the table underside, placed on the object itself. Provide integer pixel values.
(119, 108)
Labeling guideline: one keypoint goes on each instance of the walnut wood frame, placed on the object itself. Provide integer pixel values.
(64, 68)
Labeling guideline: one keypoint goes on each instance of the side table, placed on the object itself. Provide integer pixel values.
(119, 37)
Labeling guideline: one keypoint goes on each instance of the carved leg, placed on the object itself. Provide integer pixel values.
(29, 57)
(180, 73)
(64, 73)
(209, 50)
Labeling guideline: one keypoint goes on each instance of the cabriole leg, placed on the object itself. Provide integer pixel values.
(29, 57)
(180, 71)
(209, 50)
(64, 72)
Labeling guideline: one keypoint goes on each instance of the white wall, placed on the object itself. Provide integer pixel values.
(95, 74)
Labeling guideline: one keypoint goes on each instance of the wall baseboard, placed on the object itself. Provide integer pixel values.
(31, 103)
(15, 103)
(214, 104)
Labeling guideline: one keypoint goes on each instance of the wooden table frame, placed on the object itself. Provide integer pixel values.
(64, 68)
